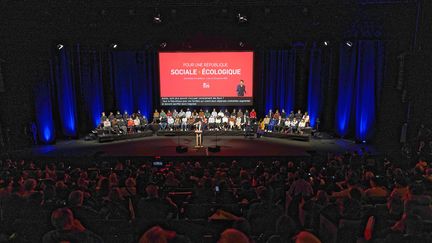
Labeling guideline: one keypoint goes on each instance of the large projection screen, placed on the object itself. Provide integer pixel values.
(206, 78)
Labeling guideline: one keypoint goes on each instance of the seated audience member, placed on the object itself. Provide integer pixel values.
(351, 207)
(287, 231)
(376, 190)
(397, 197)
(156, 234)
(68, 229)
(171, 181)
(233, 235)
(419, 202)
(29, 188)
(129, 189)
(262, 214)
(301, 186)
(115, 206)
(414, 232)
(352, 182)
(83, 213)
(154, 209)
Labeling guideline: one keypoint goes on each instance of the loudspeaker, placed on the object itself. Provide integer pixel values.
(181, 149)
(214, 149)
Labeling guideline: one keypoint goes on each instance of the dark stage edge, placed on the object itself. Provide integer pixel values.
(165, 146)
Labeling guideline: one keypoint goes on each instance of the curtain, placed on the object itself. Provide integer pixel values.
(66, 94)
(314, 86)
(360, 78)
(278, 79)
(133, 77)
(91, 87)
(44, 115)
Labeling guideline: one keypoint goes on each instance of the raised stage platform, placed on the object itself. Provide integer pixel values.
(113, 137)
(165, 146)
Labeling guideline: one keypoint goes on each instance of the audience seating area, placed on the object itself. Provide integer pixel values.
(344, 198)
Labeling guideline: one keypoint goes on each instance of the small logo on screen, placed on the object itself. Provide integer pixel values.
(206, 85)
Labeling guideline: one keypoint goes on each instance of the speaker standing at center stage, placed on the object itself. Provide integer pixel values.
(241, 89)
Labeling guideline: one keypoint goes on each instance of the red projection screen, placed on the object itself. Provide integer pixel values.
(206, 78)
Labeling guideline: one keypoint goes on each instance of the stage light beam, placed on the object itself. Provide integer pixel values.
(59, 46)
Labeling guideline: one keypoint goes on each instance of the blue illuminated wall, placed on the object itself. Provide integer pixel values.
(314, 86)
(360, 77)
(133, 76)
(347, 70)
(66, 94)
(44, 115)
(278, 79)
(90, 70)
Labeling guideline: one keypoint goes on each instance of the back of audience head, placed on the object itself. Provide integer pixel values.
(76, 198)
(62, 218)
(157, 234)
(233, 235)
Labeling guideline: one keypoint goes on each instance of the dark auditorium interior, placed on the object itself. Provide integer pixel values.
(204, 121)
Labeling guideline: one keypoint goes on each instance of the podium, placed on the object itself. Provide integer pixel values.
(198, 139)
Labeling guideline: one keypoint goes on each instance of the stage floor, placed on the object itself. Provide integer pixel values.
(166, 147)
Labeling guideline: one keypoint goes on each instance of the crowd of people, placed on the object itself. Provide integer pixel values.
(258, 201)
(222, 120)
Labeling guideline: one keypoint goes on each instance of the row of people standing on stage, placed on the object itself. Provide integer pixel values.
(285, 123)
(123, 123)
(185, 120)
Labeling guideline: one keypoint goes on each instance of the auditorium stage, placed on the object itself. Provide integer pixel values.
(165, 146)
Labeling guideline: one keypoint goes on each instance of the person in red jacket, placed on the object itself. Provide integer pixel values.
(252, 116)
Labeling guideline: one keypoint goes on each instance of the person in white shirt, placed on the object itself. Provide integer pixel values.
(137, 124)
(221, 114)
(184, 123)
(211, 122)
(170, 123)
(214, 113)
(188, 113)
(225, 122)
(239, 123)
(107, 123)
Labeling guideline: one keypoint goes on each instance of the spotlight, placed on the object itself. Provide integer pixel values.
(157, 19)
(326, 43)
(349, 43)
(241, 19)
(241, 44)
(114, 45)
(163, 44)
(59, 46)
